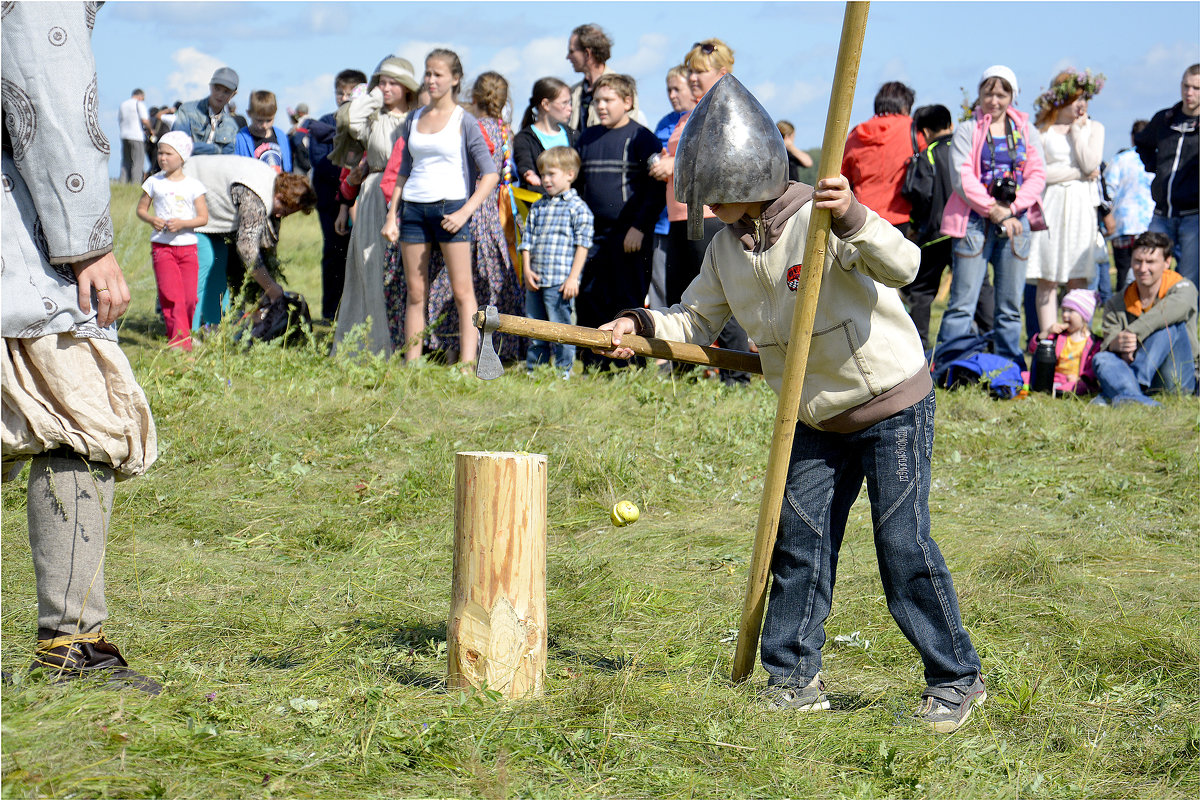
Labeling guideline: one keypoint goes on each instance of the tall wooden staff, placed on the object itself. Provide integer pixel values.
(850, 48)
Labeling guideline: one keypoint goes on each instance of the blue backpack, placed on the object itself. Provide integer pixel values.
(959, 347)
(1002, 375)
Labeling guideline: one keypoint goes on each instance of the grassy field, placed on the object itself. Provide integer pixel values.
(285, 569)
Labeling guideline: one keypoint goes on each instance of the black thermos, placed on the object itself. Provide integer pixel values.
(1043, 379)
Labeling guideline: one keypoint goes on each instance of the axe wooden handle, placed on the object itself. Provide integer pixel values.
(596, 339)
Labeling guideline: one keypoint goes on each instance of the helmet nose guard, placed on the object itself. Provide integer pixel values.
(730, 151)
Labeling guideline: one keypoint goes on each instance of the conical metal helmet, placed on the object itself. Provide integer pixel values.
(730, 151)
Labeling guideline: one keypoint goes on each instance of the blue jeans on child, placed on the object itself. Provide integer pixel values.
(1164, 361)
(548, 303)
(1184, 233)
(824, 478)
(971, 256)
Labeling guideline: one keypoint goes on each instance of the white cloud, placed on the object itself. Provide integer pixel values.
(318, 93)
(191, 80)
(766, 92)
(327, 18)
(650, 55)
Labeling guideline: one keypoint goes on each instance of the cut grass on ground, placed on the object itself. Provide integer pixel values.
(285, 570)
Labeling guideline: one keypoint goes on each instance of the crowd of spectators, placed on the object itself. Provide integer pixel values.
(424, 197)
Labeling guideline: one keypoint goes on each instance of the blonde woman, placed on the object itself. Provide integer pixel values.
(1072, 146)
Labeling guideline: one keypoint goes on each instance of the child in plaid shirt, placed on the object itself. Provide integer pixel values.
(557, 237)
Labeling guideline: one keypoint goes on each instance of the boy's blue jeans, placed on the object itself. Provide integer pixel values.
(824, 478)
(972, 255)
(1164, 360)
(548, 303)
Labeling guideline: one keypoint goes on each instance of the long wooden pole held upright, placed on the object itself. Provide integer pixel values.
(850, 48)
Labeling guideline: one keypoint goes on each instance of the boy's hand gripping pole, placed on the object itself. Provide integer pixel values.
(850, 48)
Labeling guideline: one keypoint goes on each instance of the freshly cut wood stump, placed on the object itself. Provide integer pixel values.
(496, 635)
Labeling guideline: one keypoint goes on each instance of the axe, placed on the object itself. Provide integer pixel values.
(488, 365)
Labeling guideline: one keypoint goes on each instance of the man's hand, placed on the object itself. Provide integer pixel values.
(620, 327)
(834, 194)
(1125, 344)
(112, 295)
(633, 241)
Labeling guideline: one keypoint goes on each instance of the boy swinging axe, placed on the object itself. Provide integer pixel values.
(856, 399)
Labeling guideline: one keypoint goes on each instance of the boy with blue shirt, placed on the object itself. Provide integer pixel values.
(557, 238)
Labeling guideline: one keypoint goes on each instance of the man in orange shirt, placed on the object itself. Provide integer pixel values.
(877, 152)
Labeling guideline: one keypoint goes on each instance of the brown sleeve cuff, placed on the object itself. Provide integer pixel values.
(850, 223)
(644, 324)
(91, 254)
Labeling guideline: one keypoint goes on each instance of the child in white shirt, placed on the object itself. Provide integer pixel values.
(179, 208)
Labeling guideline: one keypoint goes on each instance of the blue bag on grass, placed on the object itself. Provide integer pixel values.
(1003, 377)
(959, 347)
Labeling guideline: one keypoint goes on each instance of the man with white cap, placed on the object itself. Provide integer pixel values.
(210, 124)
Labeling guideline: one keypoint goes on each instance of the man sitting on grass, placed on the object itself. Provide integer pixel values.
(1150, 330)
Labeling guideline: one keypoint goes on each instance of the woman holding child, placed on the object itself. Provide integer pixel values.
(1073, 144)
(446, 173)
(998, 180)
(374, 122)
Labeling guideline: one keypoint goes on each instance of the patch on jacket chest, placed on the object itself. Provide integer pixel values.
(794, 277)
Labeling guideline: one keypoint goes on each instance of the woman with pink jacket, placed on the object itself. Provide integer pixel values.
(998, 179)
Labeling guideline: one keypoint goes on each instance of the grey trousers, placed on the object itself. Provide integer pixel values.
(70, 502)
(133, 161)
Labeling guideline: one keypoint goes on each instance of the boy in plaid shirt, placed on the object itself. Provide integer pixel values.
(557, 238)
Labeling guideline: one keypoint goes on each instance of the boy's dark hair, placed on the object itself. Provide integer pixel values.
(1152, 240)
(262, 104)
(352, 77)
(1195, 69)
(565, 158)
(592, 37)
(623, 85)
(935, 117)
(894, 97)
(1137, 128)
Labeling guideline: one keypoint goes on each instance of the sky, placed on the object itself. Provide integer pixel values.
(784, 51)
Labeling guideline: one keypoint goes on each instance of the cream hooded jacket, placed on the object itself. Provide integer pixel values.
(866, 360)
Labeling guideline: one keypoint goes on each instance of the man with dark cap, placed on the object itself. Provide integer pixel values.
(210, 124)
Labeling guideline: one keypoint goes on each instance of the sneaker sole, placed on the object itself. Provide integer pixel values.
(948, 726)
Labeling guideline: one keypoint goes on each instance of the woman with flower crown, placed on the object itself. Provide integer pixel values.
(1072, 146)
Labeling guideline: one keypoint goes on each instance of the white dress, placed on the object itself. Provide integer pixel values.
(363, 289)
(1066, 249)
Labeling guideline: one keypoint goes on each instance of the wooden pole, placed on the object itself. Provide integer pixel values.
(497, 630)
(796, 361)
(594, 338)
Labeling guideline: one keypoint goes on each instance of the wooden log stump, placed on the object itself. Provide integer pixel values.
(497, 629)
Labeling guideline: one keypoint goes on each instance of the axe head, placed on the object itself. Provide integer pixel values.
(487, 364)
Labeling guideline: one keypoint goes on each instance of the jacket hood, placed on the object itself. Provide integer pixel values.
(881, 130)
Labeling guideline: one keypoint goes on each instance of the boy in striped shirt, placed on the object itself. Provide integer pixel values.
(557, 238)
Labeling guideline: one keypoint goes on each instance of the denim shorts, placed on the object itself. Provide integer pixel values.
(422, 222)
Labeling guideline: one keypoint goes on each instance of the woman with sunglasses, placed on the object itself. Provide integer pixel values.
(706, 63)
(998, 179)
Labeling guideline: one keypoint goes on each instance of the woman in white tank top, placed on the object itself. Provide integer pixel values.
(444, 152)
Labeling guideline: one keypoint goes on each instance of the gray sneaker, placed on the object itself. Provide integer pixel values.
(810, 698)
(945, 709)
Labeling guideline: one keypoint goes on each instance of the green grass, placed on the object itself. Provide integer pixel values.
(285, 569)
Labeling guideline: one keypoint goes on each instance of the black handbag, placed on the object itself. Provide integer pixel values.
(287, 317)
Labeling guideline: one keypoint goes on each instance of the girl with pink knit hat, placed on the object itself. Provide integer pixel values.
(1075, 345)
